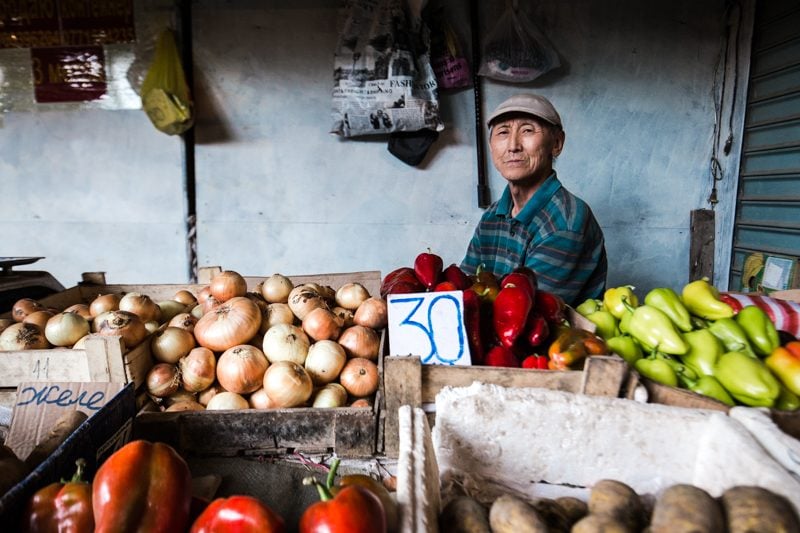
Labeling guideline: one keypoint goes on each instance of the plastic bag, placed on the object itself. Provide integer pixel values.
(383, 80)
(516, 50)
(165, 93)
(448, 56)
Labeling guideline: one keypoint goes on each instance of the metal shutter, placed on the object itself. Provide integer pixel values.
(768, 205)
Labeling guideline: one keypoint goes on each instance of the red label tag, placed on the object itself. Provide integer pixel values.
(68, 74)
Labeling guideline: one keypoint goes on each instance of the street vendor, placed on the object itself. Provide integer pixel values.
(537, 222)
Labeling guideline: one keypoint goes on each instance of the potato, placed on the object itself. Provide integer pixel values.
(12, 469)
(463, 514)
(573, 507)
(601, 523)
(684, 509)
(510, 514)
(554, 515)
(617, 500)
(758, 509)
(63, 428)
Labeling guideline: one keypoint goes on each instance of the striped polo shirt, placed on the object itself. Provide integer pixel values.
(555, 234)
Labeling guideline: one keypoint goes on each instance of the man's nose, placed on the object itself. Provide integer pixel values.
(514, 143)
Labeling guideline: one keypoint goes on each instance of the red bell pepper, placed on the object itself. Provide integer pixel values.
(240, 514)
(64, 507)
(353, 509)
(142, 476)
(457, 277)
(551, 306)
(399, 275)
(428, 268)
(472, 323)
(521, 277)
(510, 312)
(501, 356)
(538, 362)
(537, 330)
(444, 286)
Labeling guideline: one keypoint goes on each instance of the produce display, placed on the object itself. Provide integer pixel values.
(613, 506)
(225, 347)
(146, 486)
(510, 322)
(698, 341)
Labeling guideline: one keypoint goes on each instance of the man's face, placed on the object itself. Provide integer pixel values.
(523, 148)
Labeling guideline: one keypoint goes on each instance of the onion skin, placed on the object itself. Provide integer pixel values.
(127, 325)
(23, 307)
(230, 324)
(360, 341)
(226, 285)
(241, 369)
(65, 329)
(287, 384)
(198, 369)
(359, 377)
(372, 313)
(103, 303)
(23, 336)
(227, 401)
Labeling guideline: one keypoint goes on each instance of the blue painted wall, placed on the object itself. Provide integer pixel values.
(102, 190)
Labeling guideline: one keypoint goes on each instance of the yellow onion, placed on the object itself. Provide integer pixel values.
(231, 323)
(286, 342)
(331, 395)
(162, 380)
(185, 297)
(277, 313)
(260, 400)
(240, 369)
(303, 300)
(123, 323)
(321, 324)
(205, 396)
(359, 377)
(184, 321)
(345, 316)
(359, 341)
(152, 326)
(198, 369)
(287, 384)
(350, 295)
(170, 344)
(372, 313)
(80, 344)
(170, 308)
(23, 307)
(65, 329)
(226, 285)
(103, 303)
(197, 311)
(276, 288)
(39, 318)
(186, 405)
(23, 336)
(180, 395)
(227, 401)
(5, 322)
(140, 305)
(324, 361)
(81, 309)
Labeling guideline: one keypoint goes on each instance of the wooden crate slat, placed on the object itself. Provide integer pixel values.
(56, 364)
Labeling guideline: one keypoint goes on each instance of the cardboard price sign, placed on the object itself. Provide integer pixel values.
(40, 405)
(429, 324)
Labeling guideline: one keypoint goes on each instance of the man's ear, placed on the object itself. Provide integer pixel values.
(558, 142)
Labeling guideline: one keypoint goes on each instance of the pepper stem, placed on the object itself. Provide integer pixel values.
(332, 473)
(324, 494)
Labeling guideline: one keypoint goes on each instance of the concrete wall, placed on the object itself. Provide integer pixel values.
(103, 190)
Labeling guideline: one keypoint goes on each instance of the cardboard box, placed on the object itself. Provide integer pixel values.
(96, 439)
(767, 273)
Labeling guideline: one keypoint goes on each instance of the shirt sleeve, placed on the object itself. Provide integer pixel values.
(473, 258)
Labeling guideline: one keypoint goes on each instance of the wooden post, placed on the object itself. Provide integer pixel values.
(105, 359)
(603, 376)
(701, 248)
(402, 378)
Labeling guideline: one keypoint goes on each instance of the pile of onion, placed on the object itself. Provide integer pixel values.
(233, 322)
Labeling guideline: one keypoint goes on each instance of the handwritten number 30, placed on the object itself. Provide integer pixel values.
(427, 328)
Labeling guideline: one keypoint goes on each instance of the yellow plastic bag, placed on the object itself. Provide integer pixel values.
(165, 94)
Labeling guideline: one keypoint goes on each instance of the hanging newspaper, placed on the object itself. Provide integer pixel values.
(383, 80)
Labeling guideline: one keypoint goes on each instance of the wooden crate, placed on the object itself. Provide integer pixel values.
(406, 381)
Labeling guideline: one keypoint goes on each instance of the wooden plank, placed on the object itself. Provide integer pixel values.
(105, 359)
(604, 376)
(402, 378)
(56, 364)
(347, 431)
(701, 247)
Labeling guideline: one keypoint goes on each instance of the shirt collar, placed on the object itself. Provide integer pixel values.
(539, 199)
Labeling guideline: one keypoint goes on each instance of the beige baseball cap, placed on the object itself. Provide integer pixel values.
(532, 104)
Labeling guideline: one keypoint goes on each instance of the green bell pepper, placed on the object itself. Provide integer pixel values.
(787, 401)
(626, 347)
(679, 368)
(704, 351)
(702, 299)
(615, 299)
(605, 322)
(655, 331)
(747, 379)
(759, 329)
(589, 306)
(668, 301)
(708, 386)
(658, 370)
(732, 336)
